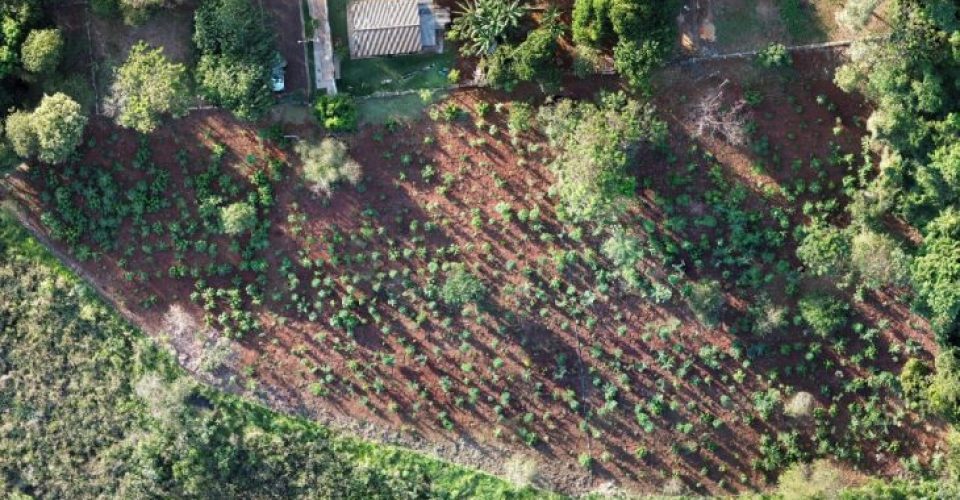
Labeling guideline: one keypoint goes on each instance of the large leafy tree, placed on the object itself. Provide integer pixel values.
(640, 32)
(42, 50)
(147, 87)
(594, 144)
(16, 17)
(236, 49)
(51, 132)
(58, 122)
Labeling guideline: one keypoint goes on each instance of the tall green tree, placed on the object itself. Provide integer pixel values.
(42, 50)
(237, 52)
(148, 86)
(594, 143)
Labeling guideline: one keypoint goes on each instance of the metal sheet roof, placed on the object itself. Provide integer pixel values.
(383, 27)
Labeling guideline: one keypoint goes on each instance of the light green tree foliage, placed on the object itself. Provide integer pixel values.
(594, 144)
(533, 60)
(879, 260)
(238, 218)
(639, 31)
(42, 50)
(943, 394)
(58, 123)
(147, 87)
(327, 162)
(912, 79)
(706, 300)
(20, 134)
(16, 18)
(138, 11)
(936, 271)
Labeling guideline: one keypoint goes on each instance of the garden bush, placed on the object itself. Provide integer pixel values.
(325, 163)
(336, 113)
(238, 218)
(706, 299)
(461, 287)
(824, 313)
(774, 55)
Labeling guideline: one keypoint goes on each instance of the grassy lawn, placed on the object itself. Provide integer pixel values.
(399, 108)
(386, 74)
(753, 24)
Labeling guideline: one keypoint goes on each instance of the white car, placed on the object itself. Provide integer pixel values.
(277, 83)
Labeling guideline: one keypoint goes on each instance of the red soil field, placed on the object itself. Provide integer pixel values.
(549, 336)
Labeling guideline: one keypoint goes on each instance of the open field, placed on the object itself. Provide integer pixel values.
(337, 316)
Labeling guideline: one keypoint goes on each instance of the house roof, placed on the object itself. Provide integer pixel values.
(383, 27)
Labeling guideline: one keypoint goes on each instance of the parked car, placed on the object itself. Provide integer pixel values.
(277, 83)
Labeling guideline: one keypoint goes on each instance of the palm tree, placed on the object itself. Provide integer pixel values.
(481, 23)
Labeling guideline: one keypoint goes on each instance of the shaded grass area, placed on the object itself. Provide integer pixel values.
(337, 10)
(382, 110)
(801, 20)
(108, 359)
(754, 24)
(391, 74)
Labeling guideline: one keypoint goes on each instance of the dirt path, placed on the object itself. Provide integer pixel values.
(324, 65)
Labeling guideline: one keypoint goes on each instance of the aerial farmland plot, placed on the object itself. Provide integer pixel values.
(615, 248)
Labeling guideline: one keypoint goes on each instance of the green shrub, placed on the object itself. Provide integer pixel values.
(461, 287)
(879, 260)
(336, 113)
(825, 250)
(238, 218)
(914, 378)
(801, 481)
(825, 314)
(325, 163)
(706, 300)
(774, 55)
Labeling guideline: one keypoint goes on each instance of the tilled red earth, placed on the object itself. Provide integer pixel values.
(560, 364)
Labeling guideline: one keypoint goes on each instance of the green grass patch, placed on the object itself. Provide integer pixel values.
(737, 26)
(382, 110)
(397, 73)
(801, 21)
